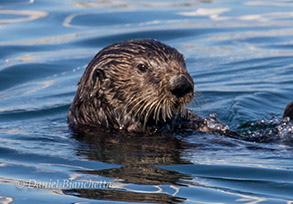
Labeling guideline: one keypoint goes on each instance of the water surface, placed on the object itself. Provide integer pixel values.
(239, 54)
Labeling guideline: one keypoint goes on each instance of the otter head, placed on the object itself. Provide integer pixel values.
(131, 85)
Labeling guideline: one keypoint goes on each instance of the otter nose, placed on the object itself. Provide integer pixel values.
(180, 86)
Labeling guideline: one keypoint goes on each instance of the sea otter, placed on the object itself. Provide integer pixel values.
(139, 86)
(135, 85)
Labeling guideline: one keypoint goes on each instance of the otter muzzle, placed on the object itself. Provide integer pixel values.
(181, 86)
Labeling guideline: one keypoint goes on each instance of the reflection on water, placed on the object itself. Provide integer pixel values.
(281, 3)
(211, 13)
(239, 54)
(6, 200)
(51, 40)
(138, 156)
(29, 16)
(137, 4)
(123, 196)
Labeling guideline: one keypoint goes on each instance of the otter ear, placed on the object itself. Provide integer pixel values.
(95, 77)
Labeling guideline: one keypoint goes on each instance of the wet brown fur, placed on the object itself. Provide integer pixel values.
(115, 93)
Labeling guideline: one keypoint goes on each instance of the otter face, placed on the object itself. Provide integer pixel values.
(133, 84)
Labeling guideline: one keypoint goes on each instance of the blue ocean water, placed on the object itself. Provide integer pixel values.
(240, 55)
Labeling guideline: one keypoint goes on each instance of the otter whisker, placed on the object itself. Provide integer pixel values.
(148, 114)
(199, 98)
(164, 110)
(156, 112)
(140, 104)
(134, 100)
(168, 109)
(147, 104)
(183, 112)
(145, 109)
(137, 108)
(137, 103)
(198, 102)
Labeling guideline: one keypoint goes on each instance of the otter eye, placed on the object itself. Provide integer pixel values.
(142, 67)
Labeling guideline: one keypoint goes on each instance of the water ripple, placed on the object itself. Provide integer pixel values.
(29, 16)
(239, 55)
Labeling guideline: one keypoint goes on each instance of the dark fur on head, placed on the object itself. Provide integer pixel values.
(130, 85)
(289, 111)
